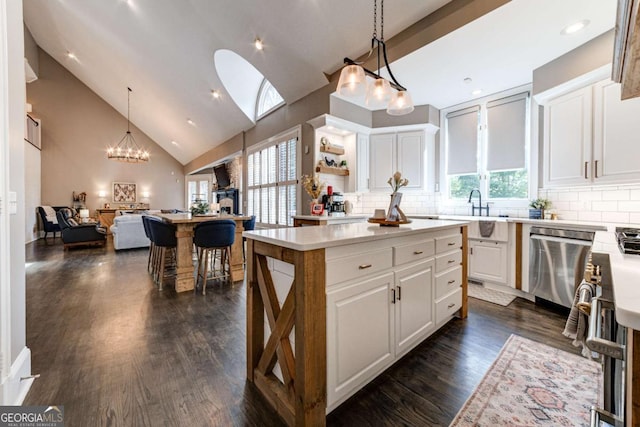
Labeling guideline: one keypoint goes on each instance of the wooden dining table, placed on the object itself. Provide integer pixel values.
(185, 223)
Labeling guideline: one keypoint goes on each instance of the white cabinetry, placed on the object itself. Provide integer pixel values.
(586, 137)
(414, 305)
(391, 152)
(616, 128)
(567, 138)
(382, 303)
(488, 261)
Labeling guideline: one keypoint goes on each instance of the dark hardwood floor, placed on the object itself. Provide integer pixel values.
(116, 352)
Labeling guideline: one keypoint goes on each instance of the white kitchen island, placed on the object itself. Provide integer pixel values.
(342, 304)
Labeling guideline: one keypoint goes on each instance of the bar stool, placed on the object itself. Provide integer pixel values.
(248, 225)
(163, 237)
(208, 237)
(147, 232)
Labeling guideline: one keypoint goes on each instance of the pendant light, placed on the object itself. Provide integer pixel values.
(352, 82)
(127, 150)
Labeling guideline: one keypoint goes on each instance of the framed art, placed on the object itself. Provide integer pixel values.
(124, 192)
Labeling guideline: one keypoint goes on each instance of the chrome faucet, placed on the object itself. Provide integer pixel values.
(479, 208)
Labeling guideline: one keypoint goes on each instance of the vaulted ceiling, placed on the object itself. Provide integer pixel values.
(164, 50)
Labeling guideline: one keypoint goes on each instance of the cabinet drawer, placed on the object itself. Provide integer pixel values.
(448, 305)
(343, 269)
(413, 252)
(448, 282)
(448, 243)
(447, 261)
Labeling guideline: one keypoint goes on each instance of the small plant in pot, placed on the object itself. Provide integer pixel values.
(199, 208)
(538, 207)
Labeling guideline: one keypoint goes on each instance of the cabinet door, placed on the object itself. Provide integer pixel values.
(362, 163)
(411, 158)
(414, 305)
(567, 139)
(360, 335)
(383, 160)
(488, 261)
(616, 129)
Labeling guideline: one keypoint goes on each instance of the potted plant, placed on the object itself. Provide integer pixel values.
(199, 208)
(538, 207)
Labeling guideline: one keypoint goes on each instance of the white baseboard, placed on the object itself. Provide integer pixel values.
(13, 390)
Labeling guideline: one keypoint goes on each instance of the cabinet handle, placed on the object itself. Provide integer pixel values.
(451, 261)
(450, 282)
(470, 251)
(585, 170)
(363, 266)
(417, 252)
(595, 169)
(393, 296)
(451, 305)
(399, 293)
(451, 243)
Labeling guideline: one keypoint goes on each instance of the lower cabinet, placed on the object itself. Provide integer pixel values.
(488, 261)
(373, 322)
(413, 305)
(360, 334)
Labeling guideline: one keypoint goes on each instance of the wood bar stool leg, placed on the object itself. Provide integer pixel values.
(163, 254)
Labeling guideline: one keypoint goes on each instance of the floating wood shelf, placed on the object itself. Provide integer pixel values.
(331, 149)
(334, 171)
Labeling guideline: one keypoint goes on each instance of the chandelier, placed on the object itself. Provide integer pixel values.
(127, 150)
(379, 93)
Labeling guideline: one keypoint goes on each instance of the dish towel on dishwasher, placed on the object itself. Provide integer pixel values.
(577, 324)
(486, 228)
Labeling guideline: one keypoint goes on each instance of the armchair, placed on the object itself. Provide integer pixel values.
(49, 220)
(74, 234)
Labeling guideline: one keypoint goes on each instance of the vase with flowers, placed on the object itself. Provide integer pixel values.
(314, 187)
(394, 213)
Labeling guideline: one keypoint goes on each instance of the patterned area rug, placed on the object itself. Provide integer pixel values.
(532, 384)
(485, 294)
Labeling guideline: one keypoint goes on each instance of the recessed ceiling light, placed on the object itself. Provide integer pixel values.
(258, 44)
(191, 122)
(476, 92)
(215, 93)
(575, 27)
(467, 80)
(71, 55)
(174, 142)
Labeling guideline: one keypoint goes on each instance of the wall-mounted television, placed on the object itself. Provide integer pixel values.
(222, 176)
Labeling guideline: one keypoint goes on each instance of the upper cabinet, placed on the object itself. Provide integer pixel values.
(586, 137)
(391, 152)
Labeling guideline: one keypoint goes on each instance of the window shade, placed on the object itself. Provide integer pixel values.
(506, 129)
(462, 137)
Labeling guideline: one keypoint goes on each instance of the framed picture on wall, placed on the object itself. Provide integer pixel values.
(124, 192)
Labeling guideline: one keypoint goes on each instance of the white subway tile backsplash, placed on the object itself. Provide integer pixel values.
(634, 218)
(567, 195)
(590, 216)
(616, 217)
(629, 206)
(590, 195)
(609, 206)
(617, 195)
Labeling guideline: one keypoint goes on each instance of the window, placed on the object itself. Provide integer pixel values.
(487, 146)
(272, 184)
(268, 99)
(198, 189)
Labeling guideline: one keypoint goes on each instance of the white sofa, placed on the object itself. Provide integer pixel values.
(128, 232)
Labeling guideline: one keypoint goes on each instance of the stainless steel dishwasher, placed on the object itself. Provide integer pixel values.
(557, 259)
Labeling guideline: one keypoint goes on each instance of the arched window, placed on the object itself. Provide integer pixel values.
(268, 99)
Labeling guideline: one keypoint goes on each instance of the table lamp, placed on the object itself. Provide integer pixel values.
(84, 215)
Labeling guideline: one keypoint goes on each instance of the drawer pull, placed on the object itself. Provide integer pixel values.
(451, 305)
(417, 252)
(451, 282)
(451, 261)
(363, 266)
(451, 243)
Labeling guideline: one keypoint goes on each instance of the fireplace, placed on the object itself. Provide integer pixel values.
(229, 201)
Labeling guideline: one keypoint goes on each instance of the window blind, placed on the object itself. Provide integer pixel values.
(462, 135)
(506, 129)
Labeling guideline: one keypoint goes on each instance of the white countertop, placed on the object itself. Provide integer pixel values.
(329, 218)
(553, 223)
(309, 238)
(625, 271)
